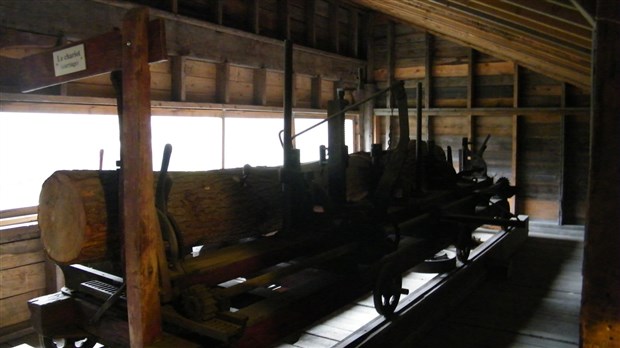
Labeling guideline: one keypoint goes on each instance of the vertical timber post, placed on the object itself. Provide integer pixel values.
(337, 160)
(514, 162)
(138, 217)
(291, 156)
(600, 300)
(391, 122)
(288, 100)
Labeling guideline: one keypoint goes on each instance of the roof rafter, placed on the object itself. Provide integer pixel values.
(565, 61)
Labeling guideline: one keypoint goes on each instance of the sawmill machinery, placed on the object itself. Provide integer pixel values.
(254, 254)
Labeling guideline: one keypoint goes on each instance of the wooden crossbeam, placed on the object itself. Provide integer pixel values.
(99, 55)
(185, 36)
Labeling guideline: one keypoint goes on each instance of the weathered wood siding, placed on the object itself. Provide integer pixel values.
(537, 142)
(22, 274)
(539, 166)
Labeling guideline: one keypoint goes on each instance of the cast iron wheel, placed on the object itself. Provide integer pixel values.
(462, 254)
(388, 288)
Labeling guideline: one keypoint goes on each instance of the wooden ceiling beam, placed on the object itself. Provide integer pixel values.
(538, 25)
(464, 21)
(188, 37)
(586, 8)
(552, 10)
(553, 61)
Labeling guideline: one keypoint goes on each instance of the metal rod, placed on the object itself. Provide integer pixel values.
(348, 108)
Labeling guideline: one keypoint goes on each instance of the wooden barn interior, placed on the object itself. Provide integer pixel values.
(513, 105)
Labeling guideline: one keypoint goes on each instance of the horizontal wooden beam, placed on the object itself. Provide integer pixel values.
(10, 39)
(185, 36)
(100, 54)
(15, 102)
(491, 111)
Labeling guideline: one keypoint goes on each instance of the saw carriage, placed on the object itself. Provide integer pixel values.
(249, 256)
(243, 246)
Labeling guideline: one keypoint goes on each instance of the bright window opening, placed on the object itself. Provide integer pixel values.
(35, 145)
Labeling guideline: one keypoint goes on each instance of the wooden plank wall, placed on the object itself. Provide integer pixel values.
(214, 77)
(537, 142)
(330, 26)
(200, 84)
(22, 274)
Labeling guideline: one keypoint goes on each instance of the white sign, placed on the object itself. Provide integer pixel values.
(69, 60)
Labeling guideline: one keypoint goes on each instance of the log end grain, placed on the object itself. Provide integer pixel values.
(62, 218)
(73, 217)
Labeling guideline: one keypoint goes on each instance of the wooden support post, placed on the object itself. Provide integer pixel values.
(219, 12)
(177, 73)
(428, 67)
(392, 121)
(354, 29)
(222, 83)
(334, 27)
(54, 278)
(294, 92)
(138, 217)
(254, 22)
(311, 23)
(471, 131)
(174, 6)
(471, 120)
(391, 62)
(284, 19)
(260, 86)
(367, 118)
(600, 299)
(563, 160)
(316, 88)
(288, 100)
(369, 41)
(336, 162)
(375, 122)
(470, 78)
(515, 136)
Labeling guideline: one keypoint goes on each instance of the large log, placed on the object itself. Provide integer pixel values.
(78, 210)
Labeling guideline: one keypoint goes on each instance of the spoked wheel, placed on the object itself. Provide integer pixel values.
(387, 291)
(462, 253)
(463, 244)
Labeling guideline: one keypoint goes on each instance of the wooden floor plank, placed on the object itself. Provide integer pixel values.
(329, 331)
(312, 341)
(536, 306)
(471, 336)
